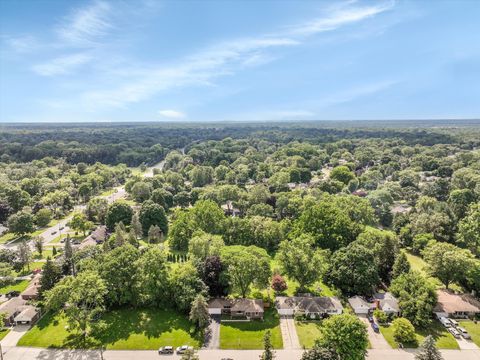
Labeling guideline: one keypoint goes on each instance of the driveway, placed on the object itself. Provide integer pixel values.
(377, 341)
(467, 344)
(212, 336)
(289, 333)
(14, 335)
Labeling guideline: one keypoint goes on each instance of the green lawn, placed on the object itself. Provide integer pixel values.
(444, 339)
(33, 266)
(473, 329)
(418, 264)
(249, 335)
(7, 237)
(146, 329)
(308, 332)
(4, 333)
(18, 286)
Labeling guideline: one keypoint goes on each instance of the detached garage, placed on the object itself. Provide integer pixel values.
(360, 306)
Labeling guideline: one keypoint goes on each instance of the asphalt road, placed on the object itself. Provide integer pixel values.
(23, 353)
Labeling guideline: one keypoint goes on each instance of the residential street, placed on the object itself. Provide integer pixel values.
(377, 341)
(18, 353)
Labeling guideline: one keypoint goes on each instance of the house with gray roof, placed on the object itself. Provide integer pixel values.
(310, 306)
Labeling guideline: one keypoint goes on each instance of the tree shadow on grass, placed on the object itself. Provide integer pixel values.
(270, 321)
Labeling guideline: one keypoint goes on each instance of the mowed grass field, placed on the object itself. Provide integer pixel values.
(443, 338)
(473, 329)
(308, 332)
(249, 335)
(126, 329)
(17, 286)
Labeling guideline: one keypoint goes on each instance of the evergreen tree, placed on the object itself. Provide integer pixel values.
(401, 265)
(154, 234)
(120, 234)
(132, 238)
(68, 252)
(54, 251)
(50, 276)
(199, 312)
(428, 350)
(268, 353)
(136, 225)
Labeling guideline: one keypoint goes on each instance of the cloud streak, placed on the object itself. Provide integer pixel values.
(86, 25)
(62, 65)
(172, 114)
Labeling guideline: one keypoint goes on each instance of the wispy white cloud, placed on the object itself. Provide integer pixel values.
(62, 65)
(172, 114)
(21, 44)
(355, 93)
(225, 58)
(86, 25)
(340, 16)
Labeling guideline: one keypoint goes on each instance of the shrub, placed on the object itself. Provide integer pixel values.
(381, 317)
(403, 331)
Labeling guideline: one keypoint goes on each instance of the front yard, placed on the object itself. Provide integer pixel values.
(131, 329)
(444, 339)
(249, 335)
(308, 332)
(17, 286)
(473, 329)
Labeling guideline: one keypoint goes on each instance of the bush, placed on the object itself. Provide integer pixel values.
(381, 317)
(403, 331)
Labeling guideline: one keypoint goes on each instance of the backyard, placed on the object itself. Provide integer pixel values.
(443, 338)
(249, 334)
(131, 329)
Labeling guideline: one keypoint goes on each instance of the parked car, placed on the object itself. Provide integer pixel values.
(61, 228)
(182, 349)
(370, 318)
(166, 350)
(454, 332)
(445, 321)
(63, 240)
(76, 242)
(375, 327)
(453, 322)
(464, 333)
(53, 233)
(12, 294)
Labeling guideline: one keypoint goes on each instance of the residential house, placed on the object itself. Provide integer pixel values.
(249, 308)
(360, 306)
(454, 305)
(28, 316)
(12, 308)
(387, 303)
(98, 236)
(310, 306)
(31, 292)
(230, 210)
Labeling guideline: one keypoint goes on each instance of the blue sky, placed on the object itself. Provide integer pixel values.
(148, 60)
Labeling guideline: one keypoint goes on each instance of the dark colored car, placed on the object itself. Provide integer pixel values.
(375, 327)
(12, 294)
(166, 350)
(370, 318)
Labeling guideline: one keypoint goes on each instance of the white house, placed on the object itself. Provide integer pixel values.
(360, 306)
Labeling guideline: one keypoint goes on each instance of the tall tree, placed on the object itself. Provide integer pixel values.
(51, 274)
(401, 265)
(117, 212)
(347, 335)
(203, 245)
(38, 243)
(136, 225)
(185, 285)
(199, 312)
(246, 266)
(85, 296)
(428, 350)
(469, 230)
(442, 258)
(153, 214)
(24, 255)
(353, 270)
(268, 353)
(21, 223)
(152, 277)
(300, 261)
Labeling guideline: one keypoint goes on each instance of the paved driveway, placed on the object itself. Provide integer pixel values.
(212, 337)
(14, 335)
(377, 341)
(467, 344)
(289, 333)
